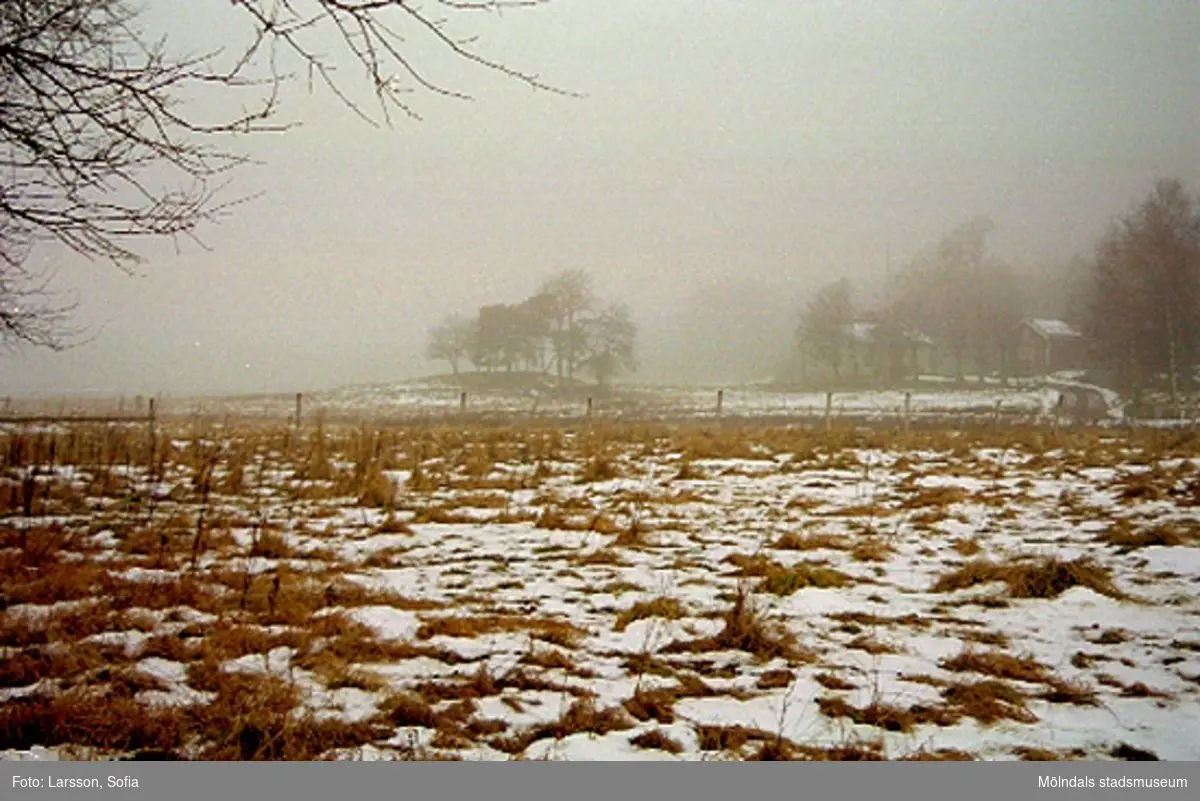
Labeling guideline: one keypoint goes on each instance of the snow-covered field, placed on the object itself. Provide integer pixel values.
(694, 591)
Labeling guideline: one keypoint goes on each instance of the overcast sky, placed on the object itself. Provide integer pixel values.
(718, 142)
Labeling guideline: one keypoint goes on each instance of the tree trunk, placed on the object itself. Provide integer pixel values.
(571, 345)
(1173, 362)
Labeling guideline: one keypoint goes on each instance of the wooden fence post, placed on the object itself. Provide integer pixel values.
(720, 401)
(462, 403)
(828, 410)
(589, 406)
(150, 427)
(299, 408)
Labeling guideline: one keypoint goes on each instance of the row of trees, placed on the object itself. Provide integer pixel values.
(1136, 300)
(563, 327)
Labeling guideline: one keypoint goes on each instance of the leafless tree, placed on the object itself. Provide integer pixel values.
(945, 292)
(824, 330)
(610, 343)
(98, 148)
(570, 296)
(1002, 307)
(1144, 315)
(451, 341)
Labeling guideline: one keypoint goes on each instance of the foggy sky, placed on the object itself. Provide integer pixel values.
(718, 144)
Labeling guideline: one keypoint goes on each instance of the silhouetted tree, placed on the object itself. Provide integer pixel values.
(825, 325)
(610, 339)
(1002, 308)
(451, 341)
(945, 292)
(98, 149)
(569, 295)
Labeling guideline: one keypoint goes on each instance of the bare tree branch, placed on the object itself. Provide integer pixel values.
(98, 149)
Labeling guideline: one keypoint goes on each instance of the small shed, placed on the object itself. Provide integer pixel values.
(1042, 346)
(889, 351)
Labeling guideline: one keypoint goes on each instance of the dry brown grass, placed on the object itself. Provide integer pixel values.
(558, 632)
(940, 496)
(989, 701)
(872, 646)
(88, 717)
(583, 716)
(1047, 577)
(967, 547)
(663, 606)
(884, 716)
(747, 628)
(406, 709)
(658, 705)
(599, 557)
(999, 665)
(939, 755)
(1123, 536)
(984, 637)
(551, 518)
(728, 738)
(32, 664)
(866, 751)
(832, 682)
(1062, 691)
(249, 718)
(1150, 485)
(599, 468)
(1131, 753)
(793, 541)
(752, 565)
(775, 679)
(657, 739)
(872, 549)
(1027, 753)
(255, 718)
(472, 468)
(779, 580)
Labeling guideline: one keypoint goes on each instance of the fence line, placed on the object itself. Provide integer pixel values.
(453, 406)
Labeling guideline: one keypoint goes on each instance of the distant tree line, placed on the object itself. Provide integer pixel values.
(562, 329)
(1136, 300)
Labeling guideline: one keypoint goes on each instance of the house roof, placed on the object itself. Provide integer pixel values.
(1052, 329)
(861, 331)
(919, 338)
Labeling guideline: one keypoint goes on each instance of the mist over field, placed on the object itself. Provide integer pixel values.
(730, 380)
(721, 162)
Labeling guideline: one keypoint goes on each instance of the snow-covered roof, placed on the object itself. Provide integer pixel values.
(1052, 329)
(918, 337)
(860, 331)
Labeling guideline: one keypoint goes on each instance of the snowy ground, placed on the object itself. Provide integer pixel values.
(611, 592)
